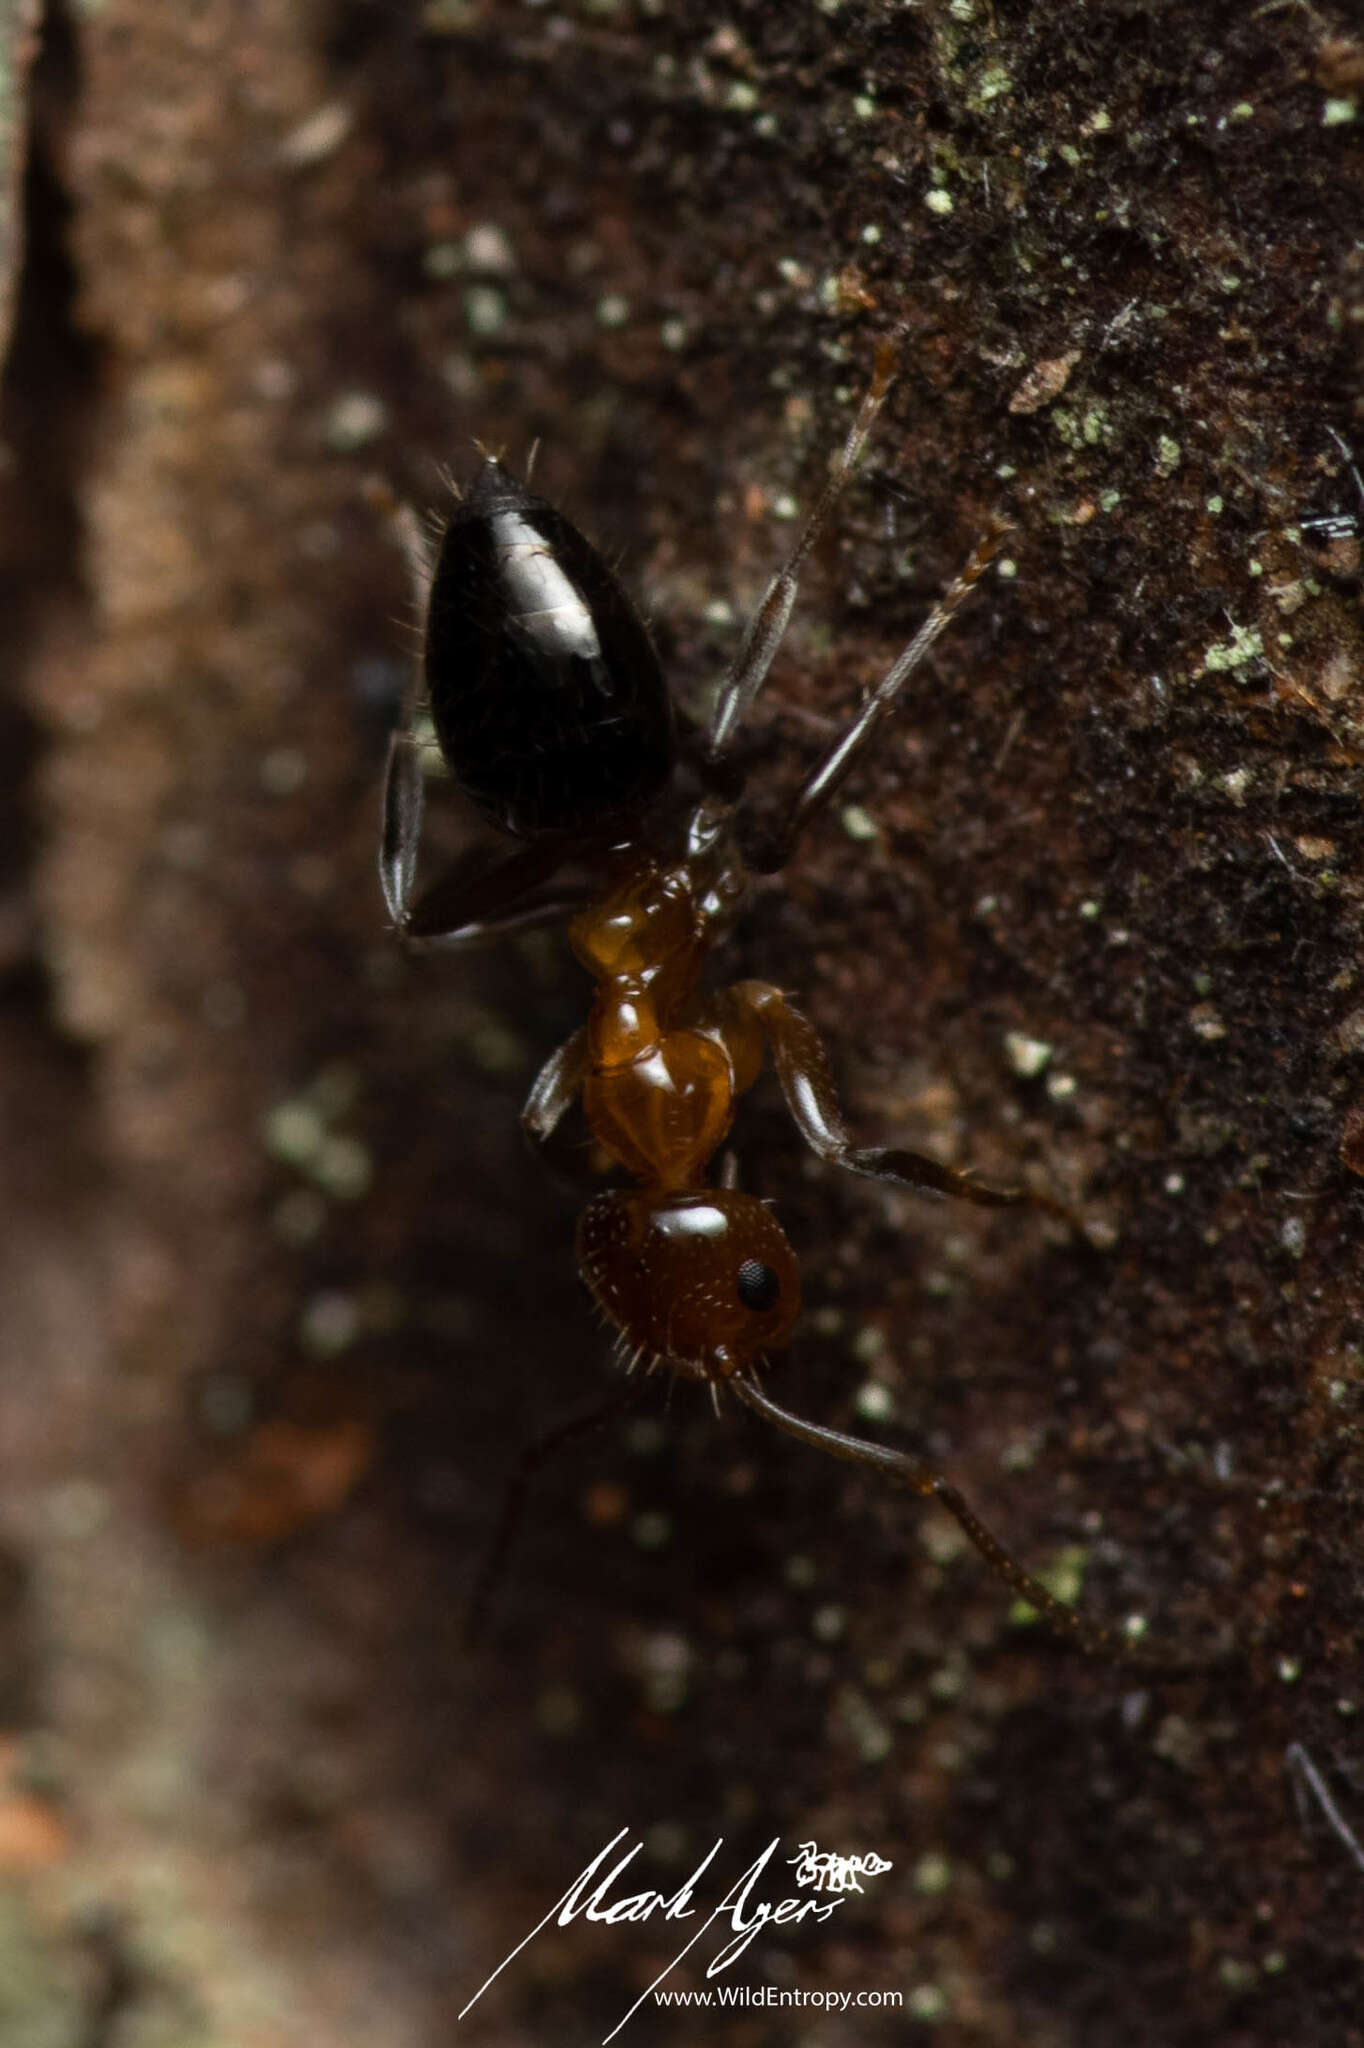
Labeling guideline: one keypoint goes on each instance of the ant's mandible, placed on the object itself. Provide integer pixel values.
(552, 714)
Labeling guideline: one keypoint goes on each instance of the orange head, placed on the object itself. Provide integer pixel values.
(703, 1278)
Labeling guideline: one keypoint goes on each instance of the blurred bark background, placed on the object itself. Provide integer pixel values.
(281, 1297)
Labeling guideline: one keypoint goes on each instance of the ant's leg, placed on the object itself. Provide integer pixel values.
(482, 896)
(488, 893)
(554, 1088)
(769, 622)
(1303, 1772)
(830, 773)
(400, 834)
(803, 1070)
(418, 550)
(404, 784)
(930, 1485)
(514, 1500)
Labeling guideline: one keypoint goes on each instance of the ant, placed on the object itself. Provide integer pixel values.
(552, 714)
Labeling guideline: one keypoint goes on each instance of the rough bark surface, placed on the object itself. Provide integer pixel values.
(281, 1296)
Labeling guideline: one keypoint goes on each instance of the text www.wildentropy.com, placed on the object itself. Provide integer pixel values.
(770, 1995)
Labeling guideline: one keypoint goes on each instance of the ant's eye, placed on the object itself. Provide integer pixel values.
(759, 1286)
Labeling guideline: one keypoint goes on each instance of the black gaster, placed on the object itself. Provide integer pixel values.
(547, 696)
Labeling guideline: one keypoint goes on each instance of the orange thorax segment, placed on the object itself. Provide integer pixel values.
(664, 1112)
(648, 920)
(658, 1096)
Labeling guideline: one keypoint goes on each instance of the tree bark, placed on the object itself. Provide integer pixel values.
(281, 1296)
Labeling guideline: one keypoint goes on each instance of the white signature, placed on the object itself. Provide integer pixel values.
(738, 1912)
(830, 1873)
